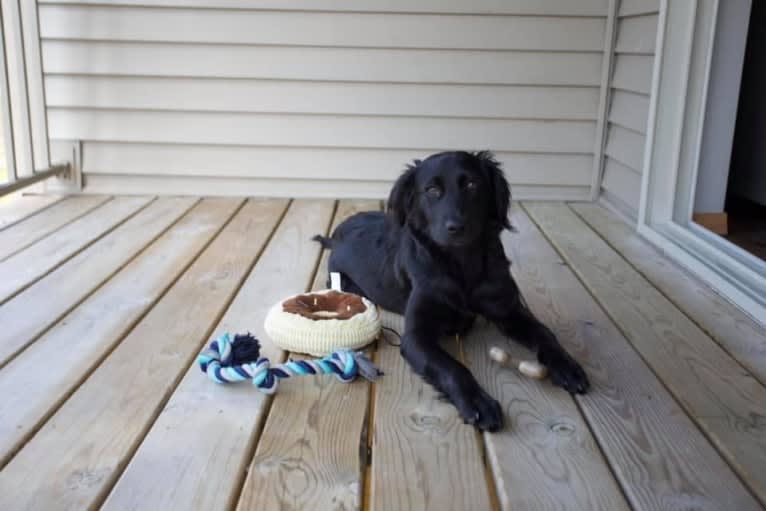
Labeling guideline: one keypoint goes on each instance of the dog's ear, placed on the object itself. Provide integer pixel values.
(402, 197)
(500, 191)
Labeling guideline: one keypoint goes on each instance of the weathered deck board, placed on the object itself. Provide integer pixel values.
(222, 422)
(23, 234)
(103, 339)
(423, 456)
(71, 349)
(546, 457)
(24, 268)
(660, 458)
(74, 459)
(724, 400)
(31, 312)
(17, 206)
(323, 445)
(737, 333)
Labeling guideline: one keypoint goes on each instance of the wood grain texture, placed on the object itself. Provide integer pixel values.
(423, 456)
(723, 399)
(222, 422)
(326, 29)
(17, 206)
(737, 333)
(308, 455)
(30, 313)
(546, 457)
(74, 459)
(75, 345)
(27, 266)
(25, 233)
(660, 458)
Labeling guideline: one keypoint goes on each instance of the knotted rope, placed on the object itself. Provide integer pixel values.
(233, 361)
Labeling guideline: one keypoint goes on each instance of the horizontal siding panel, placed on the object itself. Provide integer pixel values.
(633, 73)
(241, 187)
(629, 110)
(629, 102)
(626, 146)
(622, 182)
(306, 163)
(322, 29)
(324, 99)
(635, 7)
(332, 189)
(294, 63)
(524, 102)
(637, 34)
(527, 7)
(318, 131)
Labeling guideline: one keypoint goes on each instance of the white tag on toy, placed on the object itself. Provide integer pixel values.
(335, 281)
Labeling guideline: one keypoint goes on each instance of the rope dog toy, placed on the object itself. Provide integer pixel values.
(233, 361)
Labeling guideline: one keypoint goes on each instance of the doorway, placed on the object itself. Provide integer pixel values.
(730, 198)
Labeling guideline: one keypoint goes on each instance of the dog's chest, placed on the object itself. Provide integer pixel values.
(468, 272)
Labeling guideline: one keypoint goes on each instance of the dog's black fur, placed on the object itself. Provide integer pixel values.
(436, 257)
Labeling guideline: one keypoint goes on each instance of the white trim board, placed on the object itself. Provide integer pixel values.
(672, 155)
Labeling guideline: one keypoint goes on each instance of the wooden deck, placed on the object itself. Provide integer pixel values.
(106, 301)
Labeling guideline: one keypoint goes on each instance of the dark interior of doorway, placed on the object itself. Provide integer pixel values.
(746, 192)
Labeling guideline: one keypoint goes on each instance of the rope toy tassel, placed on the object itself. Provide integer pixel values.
(235, 360)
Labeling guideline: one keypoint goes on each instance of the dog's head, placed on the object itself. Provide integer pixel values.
(452, 197)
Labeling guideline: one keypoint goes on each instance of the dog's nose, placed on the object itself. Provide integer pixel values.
(454, 227)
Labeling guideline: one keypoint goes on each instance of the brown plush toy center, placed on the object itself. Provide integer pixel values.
(331, 305)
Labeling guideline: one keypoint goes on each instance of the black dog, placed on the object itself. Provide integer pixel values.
(436, 257)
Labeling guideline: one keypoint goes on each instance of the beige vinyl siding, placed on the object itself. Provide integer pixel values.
(518, 7)
(119, 158)
(349, 98)
(636, 7)
(628, 112)
(280, 96)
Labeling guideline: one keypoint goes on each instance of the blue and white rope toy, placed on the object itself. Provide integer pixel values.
(230, 360)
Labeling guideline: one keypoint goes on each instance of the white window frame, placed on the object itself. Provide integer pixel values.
(685, 36)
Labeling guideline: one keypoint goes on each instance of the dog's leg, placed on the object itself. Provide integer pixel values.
(424, 323)
(501, 302)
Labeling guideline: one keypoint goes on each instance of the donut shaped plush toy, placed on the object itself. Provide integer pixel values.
(321, 322)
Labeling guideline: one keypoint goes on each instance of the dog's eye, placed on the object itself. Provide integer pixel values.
(471, 185)
(434, 191)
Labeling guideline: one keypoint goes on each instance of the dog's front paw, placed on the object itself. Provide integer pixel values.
(479, 408)
(565, 371)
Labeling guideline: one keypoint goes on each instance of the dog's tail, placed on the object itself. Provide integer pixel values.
(323, 240)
